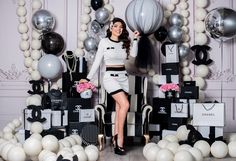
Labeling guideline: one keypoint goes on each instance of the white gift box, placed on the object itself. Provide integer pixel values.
(208, 114)
(86, 115)
(172, 53)
(179, 110)
(60, 118)
(205, 131)
(190, 102)
(168, 132)
(44, 114)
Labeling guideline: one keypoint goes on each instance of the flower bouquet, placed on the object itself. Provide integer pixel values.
(170, 89)
(85, 89)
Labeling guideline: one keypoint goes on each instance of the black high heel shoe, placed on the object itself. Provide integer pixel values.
(118, 150)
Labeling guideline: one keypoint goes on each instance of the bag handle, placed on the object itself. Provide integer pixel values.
(176, 108)
(208, 109)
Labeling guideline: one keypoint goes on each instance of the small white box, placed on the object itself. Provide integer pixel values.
(168, 132)
(60, 118)
(205, 131)
(86, 115)
(172, 54)
(44, 114)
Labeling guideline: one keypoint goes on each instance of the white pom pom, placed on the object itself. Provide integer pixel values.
(25, 36)
(183, 5)
(200, 13)
(199, 26)
(202, 71)
(36, 44)
(24, 45)
(201, 3)
(35, 75)
(36, 4)
(87, 3)
(185, 13)
(109, 8)
(184, 63)
(28, 61)
(201, 39)
(185, 29)
(84, 27)
(186, 71)
(200, 82)
(79, 52)
(174, 1)
(36, 54)
(85, 18)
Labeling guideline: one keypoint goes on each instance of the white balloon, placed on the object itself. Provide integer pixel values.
(36, 44)
(197, 154)
(147, 146)
(152, 152)
(92, 154)
(163, 143)
(200, 13)
(5, 150)
(199, 26)
(183, 5)
(200, 82)
(36, 127)
(173, 147)
(87, 10)
(182, 133)
(77, 148)
(85, 18)
(87, 3)
(77, 138)
(24, 45)
(81, 155)
(37, 136)
(21, 2)
(50, 143)
(171, 138)
(17, 122)
(201, 3)
(79, 52)
(28, 61)
(27, 53)
(201, 39)
(219, 149)
(184, 63)
(16, 154)
(8, 135)
(32, 146)
(36, 4)
(109, 7)
(25, 36)
(35, 34)
(232, 149)
(34, 65)
(71, 140)
(82, 35)
(21, 11)
(183, 155)
(164, 155)
(23, 28)
(204, 147)
(35, 101)
(35, 75)
(84, 27)
(186, 71)
(184, 147)
(22, 19)
(202, 71)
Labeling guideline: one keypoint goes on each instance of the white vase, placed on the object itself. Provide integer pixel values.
(86, 94)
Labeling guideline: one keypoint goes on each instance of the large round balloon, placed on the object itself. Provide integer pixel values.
(175, 34)
(49, 66)
(102, 15)
(52, 43)
(43, 20)
(161, 34)
(144, 15)
(96, 4)
(95, 27)
(90, 44)
(220, 23)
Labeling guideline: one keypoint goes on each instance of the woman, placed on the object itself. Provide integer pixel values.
(114, 49)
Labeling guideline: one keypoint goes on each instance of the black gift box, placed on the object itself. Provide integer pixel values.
(58, 133)
(189, 92)
(174, 123)
(189, 83)
(74, 104)
(170, 68)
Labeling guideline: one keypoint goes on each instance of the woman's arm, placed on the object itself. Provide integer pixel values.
(134, 48)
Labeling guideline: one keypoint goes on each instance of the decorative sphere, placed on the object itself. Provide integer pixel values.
(92, 153)
(163, 143)
(21, 11)
(24, 45)
(204, 147)
(36, 44)
(232, 149)
(151, 153)
(184, 63)
(5, 150)
(186, 71)
(197, 154)
(32, 146)
(201, 39)
(65, 143)
(82, 35)
(36, 4)
(34, 65)
(147, 146)
(35, 75)
(81, 155)
(37, 136)
(77, 139)
(176, 19)
(200, 13)
(183, 155)
(25, 36)
(200, 82)
(36, 127)
(219, 149)
(23, 28)
(77, 148)
(28, 62)
(35, 34)
(202, 71)
(85, 18)
(171, 138)
(50, 143)
(164, 155)
(109, 7)
(201, 3)
(71, 140)
(182, 133)
(173, 147)
(16, 154)
(184, 147)
(43, 154)
(199, 26)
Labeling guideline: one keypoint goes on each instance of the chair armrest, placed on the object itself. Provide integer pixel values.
(100, 112)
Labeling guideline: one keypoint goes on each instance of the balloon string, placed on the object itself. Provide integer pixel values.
(221, 70)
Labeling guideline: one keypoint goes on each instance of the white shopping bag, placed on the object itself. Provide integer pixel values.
(208, 114)
(86, 115)
(172, 54)
(179, 110)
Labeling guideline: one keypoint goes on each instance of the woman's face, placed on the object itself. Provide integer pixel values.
(116, 29)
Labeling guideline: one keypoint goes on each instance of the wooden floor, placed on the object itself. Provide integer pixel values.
(135, 153)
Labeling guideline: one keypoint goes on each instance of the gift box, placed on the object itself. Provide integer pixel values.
(189, 92)
(189, 83)
(174, 122)
(170, 68)
(59, 118)
(190, 103)
(74, 106)
(33, 115)
(154, 129)
(208, 114)
(172, 53)
(58, 133)
(211, 132)
(168, 132)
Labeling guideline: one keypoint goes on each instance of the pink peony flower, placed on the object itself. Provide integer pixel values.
(169, 87)
(81, 87)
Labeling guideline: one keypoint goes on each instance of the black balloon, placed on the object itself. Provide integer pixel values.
(163, 47)
(161, 34)
(96, 4)
(52, 43)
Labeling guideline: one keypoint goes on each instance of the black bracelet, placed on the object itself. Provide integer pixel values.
(135, 39)
(87, 79)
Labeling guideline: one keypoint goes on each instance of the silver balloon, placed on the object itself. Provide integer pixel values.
(102, 15)
(220, 24)
(144, 15)
(176, 19)
(43, 20)
(95, 26)
(50, 66)
(90, 44)
(175, 34)
(183, 51)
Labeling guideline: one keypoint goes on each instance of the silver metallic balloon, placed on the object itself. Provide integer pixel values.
(43, 20)
(95, 26)
(144, 15)
(183, 51)
(90, 44)
(220, 24)
(175, 34)
(102, 15)
(176, 19)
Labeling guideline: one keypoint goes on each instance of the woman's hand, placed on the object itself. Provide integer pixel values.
(136, 34)
(83, 81)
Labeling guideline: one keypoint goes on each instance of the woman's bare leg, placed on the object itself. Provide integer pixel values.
(122, 100)
(116, 119)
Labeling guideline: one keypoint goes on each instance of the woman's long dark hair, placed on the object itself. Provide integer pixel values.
(124, 37)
